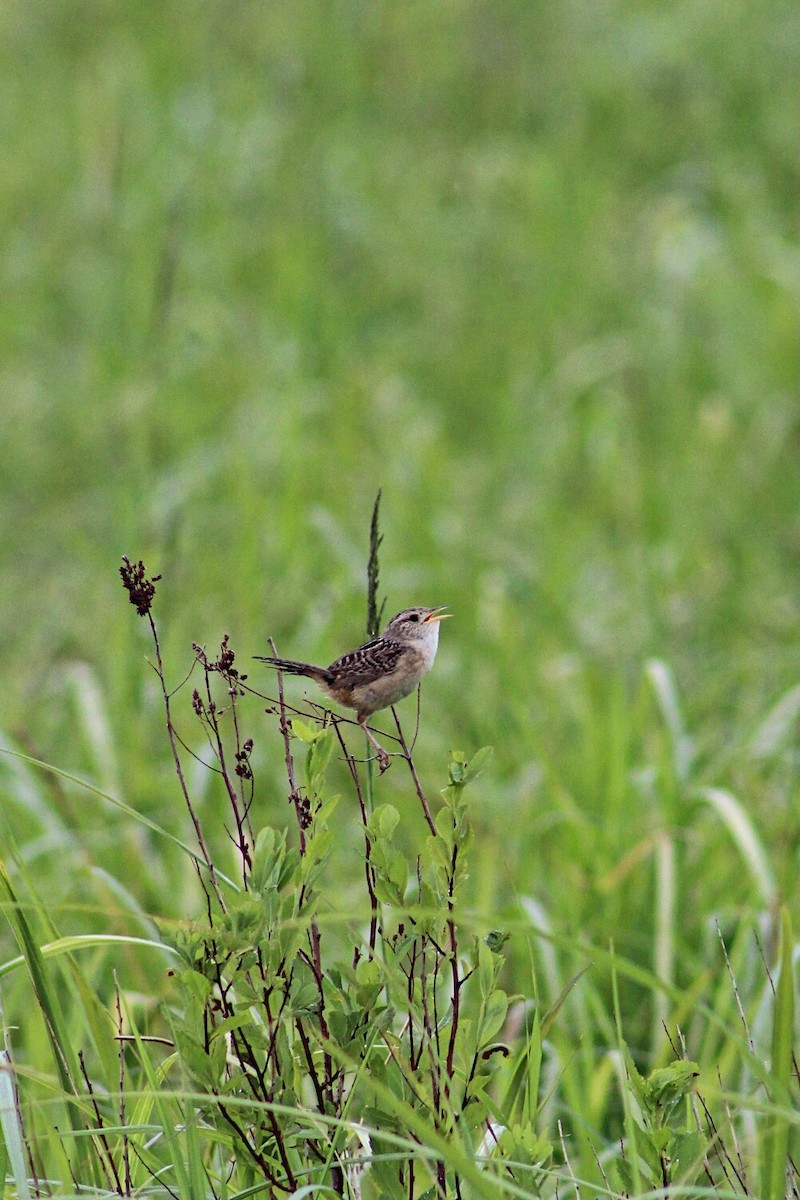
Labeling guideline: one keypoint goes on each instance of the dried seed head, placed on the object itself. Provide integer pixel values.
(140, 589)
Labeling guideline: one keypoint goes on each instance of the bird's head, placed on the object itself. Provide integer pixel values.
(416, 625)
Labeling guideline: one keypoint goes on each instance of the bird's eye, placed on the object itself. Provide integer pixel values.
(413, 616)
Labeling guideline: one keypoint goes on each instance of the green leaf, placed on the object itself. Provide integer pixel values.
(458, 767)
(488, 966)
(686, 1151)
(319, 755)
(496, 939)
(625, 1176)
(268, 859)
(650, 1154)
(198, 1062)
(327, 808)
(384, 820)
(384, 1174)
(478, 763)
(494, 1016)
(237, 1021)
(398, 873)
(304, 999)
(303, 731)
(289, 868)
(522, 1095)
(368, 972)
(661, 1138)
(668, 1085)
(265, 842)
(521, 1143)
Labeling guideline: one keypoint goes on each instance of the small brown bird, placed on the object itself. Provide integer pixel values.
(381, 672)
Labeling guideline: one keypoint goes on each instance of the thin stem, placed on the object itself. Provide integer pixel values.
(451, 927)
(259, 1159)
(286, 732)
(240, 841)
(105, 1156)
(418, 786)
(368, 868)
(179, 768)
(126, 1162)
(313, 932)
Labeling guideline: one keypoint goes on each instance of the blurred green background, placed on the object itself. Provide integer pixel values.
(530, 268)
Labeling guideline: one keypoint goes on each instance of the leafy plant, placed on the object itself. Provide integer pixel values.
(297, 1032)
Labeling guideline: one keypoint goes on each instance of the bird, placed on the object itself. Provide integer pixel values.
(379, 673)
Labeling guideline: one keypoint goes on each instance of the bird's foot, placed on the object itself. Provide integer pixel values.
(384, 761)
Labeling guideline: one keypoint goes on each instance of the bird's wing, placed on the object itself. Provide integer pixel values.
(369, 662)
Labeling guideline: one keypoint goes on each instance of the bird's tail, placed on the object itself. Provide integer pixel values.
(320, 674)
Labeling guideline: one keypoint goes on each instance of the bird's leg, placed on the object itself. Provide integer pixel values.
(383, 757)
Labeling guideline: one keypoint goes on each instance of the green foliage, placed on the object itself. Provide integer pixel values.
(310, 1048)
(669, 1149)
(400, 1034)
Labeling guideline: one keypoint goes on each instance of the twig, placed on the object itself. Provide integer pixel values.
(303, 817)
(368, 868)
(198, 829)
(126, 1162)
(418, 786)
(457, 981)
(285, 728)
(212, 718)
(739, 1005)
(105, 1156)
(575, 1183)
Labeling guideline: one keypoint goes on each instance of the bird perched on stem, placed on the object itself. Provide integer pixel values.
(379, 673)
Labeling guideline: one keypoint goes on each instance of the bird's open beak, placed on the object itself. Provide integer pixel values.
(438, 614)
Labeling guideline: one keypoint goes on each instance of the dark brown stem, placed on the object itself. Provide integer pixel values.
(285, 728)
(240, 841)
(309, 1057)
(418, 786)
(179, 768)
(451, 927)
(126, 1162)
(368, 870)
(246, 801)
(105, 1155)
(258, 1159)
(147, 1166)
(315, 960)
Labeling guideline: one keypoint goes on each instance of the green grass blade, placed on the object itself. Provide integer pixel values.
(663, 683)
(776, 1135)
(119, 804)
(64, 1057)
(171, 1124)
(743, 832)
(664, 938)
(12, 1129)
(83, 941)
(629, 1120)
